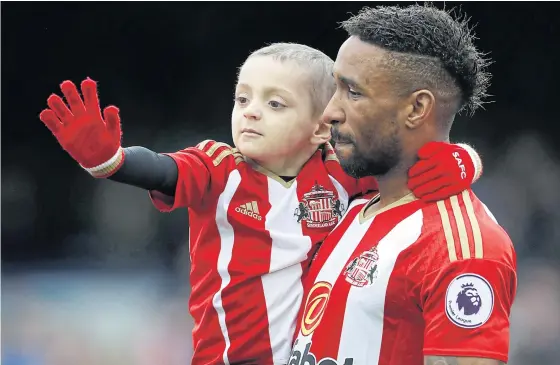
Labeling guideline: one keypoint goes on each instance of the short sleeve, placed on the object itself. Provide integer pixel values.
(466, 306)
(201, 169)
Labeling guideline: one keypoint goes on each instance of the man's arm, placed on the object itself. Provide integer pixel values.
(454, 360)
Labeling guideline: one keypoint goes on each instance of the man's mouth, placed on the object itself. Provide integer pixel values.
(340, 139)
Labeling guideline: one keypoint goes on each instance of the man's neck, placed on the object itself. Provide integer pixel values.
(393, 185)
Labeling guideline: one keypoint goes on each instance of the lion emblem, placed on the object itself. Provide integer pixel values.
(468, 299)
(302, 212)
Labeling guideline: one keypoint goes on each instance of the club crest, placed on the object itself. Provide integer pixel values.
(362, 270)
(319, 208)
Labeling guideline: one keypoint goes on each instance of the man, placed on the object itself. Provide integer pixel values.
(400, 281)
(257, 212)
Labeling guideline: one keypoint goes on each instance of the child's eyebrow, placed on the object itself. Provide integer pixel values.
(268, 89)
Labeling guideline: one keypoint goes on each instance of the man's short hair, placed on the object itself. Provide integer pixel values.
(318, 64)
(428, 48)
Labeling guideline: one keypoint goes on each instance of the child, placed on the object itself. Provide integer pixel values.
(257, 211)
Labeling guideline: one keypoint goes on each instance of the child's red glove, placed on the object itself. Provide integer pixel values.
(93, 140)
(443, 170)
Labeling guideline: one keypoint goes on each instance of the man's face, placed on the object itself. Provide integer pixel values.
(367, 111)
(273, 112)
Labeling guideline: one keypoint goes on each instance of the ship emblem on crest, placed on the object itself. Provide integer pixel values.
(362, 270)
(319, 208)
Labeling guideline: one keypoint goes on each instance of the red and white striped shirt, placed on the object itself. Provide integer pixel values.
(415, 279)
(251, 237)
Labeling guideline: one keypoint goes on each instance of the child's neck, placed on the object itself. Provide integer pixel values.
(288, 166)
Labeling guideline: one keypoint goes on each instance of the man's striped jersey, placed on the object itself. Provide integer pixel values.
(413, 279)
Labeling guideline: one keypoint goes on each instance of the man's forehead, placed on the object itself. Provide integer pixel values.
(355, 51)
(358, 60)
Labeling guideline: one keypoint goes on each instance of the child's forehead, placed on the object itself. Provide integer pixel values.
(266, 71)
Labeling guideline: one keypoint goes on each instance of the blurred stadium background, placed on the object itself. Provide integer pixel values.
(93, 274)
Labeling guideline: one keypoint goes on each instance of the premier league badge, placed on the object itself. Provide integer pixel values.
(469, 301)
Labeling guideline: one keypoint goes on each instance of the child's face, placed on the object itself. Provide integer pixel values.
(273, 116)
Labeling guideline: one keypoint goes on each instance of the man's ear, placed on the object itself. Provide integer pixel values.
(421, 106)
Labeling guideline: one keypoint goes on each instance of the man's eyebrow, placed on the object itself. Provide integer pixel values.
(347, 81)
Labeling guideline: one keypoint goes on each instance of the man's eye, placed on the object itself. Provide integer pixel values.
(354, 94)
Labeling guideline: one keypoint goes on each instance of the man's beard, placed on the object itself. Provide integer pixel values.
(378, 159)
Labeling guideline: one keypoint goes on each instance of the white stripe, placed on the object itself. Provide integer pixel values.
(477, 162)
(282, 287)
(343, 250)
(343, 197)
(351, 237)
(342, 193)
(489, 213)
(226, 233)
(338, 258)
(365, 305)
(105, 164)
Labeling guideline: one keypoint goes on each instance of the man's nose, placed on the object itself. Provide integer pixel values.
(333, 114)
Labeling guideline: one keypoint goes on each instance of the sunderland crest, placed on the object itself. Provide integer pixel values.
(362, 270)
(319, 208)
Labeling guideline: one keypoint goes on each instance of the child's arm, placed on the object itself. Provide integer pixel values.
(444, 170)
(93, 139)
(148, 170)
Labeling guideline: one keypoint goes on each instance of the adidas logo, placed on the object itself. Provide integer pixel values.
(251, 209)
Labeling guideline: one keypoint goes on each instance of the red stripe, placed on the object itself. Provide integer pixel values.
(454, 229)
(468, 227)
(314, 172)
(401, 326)
(322, 255)
(326, 341)
(208, 344)
(243, 299)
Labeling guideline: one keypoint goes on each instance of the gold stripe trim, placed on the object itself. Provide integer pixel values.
(477, 235)
(238, 156)
(447, 231)
(203, 144)
(221, 156)
(215, 147)
(461, 227)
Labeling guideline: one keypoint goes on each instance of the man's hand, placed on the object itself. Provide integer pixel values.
(443, 170)
(93, 140)
(453, 360)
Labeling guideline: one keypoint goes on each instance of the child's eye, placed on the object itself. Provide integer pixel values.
(275, 104)
(241, 99)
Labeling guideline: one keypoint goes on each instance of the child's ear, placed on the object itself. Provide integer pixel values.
(322, 133)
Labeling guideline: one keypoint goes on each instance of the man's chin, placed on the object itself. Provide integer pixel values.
(352, 167)
(344, 151)
(358, 168)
